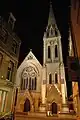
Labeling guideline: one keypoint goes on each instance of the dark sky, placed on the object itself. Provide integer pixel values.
(31, 20)
(32, 17)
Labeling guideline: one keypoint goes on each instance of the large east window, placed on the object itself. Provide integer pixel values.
(29, 79)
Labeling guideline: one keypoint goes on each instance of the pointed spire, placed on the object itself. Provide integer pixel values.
(51, 18)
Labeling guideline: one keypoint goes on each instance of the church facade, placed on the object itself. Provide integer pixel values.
(42, 88)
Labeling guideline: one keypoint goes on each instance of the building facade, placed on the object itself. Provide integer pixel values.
(42, 88)
(75, 28)
(9, 53)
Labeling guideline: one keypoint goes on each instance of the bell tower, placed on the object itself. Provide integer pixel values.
(53, 67)
(52, 53)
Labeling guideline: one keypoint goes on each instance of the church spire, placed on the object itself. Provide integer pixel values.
(51, 19)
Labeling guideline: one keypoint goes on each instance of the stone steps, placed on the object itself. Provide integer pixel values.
(42, 116)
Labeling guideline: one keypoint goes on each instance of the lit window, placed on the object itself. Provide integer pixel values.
(56, 78)
(56, 51)
(50, 79)
(10, 71)
(49, 52)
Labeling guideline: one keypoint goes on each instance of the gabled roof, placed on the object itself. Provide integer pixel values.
(30, 57)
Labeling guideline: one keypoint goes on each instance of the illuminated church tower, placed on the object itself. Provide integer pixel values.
(53, 79)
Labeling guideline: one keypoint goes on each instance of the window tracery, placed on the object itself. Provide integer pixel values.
(29, 75)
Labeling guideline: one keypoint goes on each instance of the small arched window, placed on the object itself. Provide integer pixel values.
(56, 78)
(50, 79)
(56, 51)
(35, 83)
(51, 31)
(49, 52)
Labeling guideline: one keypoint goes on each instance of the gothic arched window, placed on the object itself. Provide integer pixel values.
(29, 78)
(30, 83)
(49, 52)
(26, 83)
(10, 71)
(56, 78)
(35, 83)
(56, 51)
(51, 31)
(50, 79)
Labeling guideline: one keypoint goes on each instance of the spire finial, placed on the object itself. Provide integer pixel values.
(30, 49)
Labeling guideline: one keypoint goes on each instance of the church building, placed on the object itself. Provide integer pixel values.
(42, 88)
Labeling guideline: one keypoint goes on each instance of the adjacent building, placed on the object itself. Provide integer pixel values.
(75, 31)
(9, 53)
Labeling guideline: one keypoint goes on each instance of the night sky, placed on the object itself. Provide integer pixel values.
(31, 20)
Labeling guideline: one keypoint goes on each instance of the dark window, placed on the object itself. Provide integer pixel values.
(56, 33)
(14, 47)
(26, 83)
(1, 57)
(56, 51)
(30, 83)
(47, 33)
(22, 84)
(51, 31)
(49, 52)
(56, 78)
(10, 71)
(35, 80)
(16, 97)
(50, 79)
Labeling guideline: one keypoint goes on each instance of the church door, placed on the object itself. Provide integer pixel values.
(27, 106)
(54, 108)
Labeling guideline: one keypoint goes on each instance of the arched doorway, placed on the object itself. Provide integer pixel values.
(27, 105)
(54, 108)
